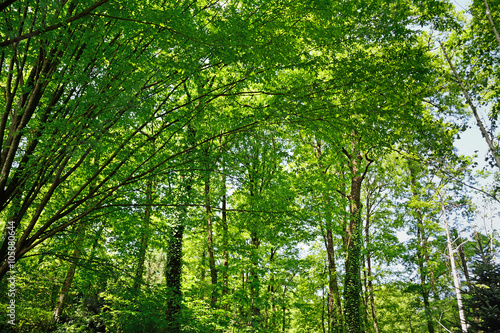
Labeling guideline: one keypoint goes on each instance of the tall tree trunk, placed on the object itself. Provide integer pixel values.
(335, 322)
(368, 274)
(225, 240)
(456, 281)
(492, 23)
(255, 284)
(68, 281)
(421, 250)
(211, 257)
(271, 289)
(173, 276)
(484, 132)
(352, 284)
(323, 312)
(143, 246)
(283, 308)
(462, 256)
(173, 266)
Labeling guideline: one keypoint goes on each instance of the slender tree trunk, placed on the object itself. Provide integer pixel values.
(211, 257)
(484, 132)
(463, 259)
(423, 275)
(335, 322)
(421, 252)
(271, 289)
(144, 237)
(366, 297)
(255, 284)
(368, 274)
(68, 281)
(456, 281)
(323, 312)
(283, 308)
(490, 19)
(225, 240)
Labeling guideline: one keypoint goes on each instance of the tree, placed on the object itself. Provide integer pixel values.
(483, 297)
(475, 70)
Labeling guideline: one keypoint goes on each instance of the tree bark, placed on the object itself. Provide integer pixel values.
(143, 245)
(225, 239)
(368, 276)
(352, 284)
(335, 321)
(173, 276)
(211, 257)
(421, 251)
(68, 281)
(456, 281)
(173, 267)
(255, 283)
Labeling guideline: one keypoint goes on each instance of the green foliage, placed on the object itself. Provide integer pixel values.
(482, 300)
(207, 166)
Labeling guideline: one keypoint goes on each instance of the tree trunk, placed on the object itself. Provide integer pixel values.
(68, 281)
(211, 257)
(173, 266)
(225, 240)
(492, 23)
(421, 252)
(283, 308)
(335, 322)
(368, 274)
(484, 132)
(144, 237)
(352, 285)
(173, 275)
(255, 284)
(456, 281)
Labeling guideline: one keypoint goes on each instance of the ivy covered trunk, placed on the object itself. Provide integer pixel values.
(353, 241)
(173, 267)
(352, 285)
(173, 277)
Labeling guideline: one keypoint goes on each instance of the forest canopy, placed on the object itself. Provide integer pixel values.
(248, 166)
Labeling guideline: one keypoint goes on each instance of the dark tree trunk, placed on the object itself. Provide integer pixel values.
(352, 284)
(173, 267)
(173, 275)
